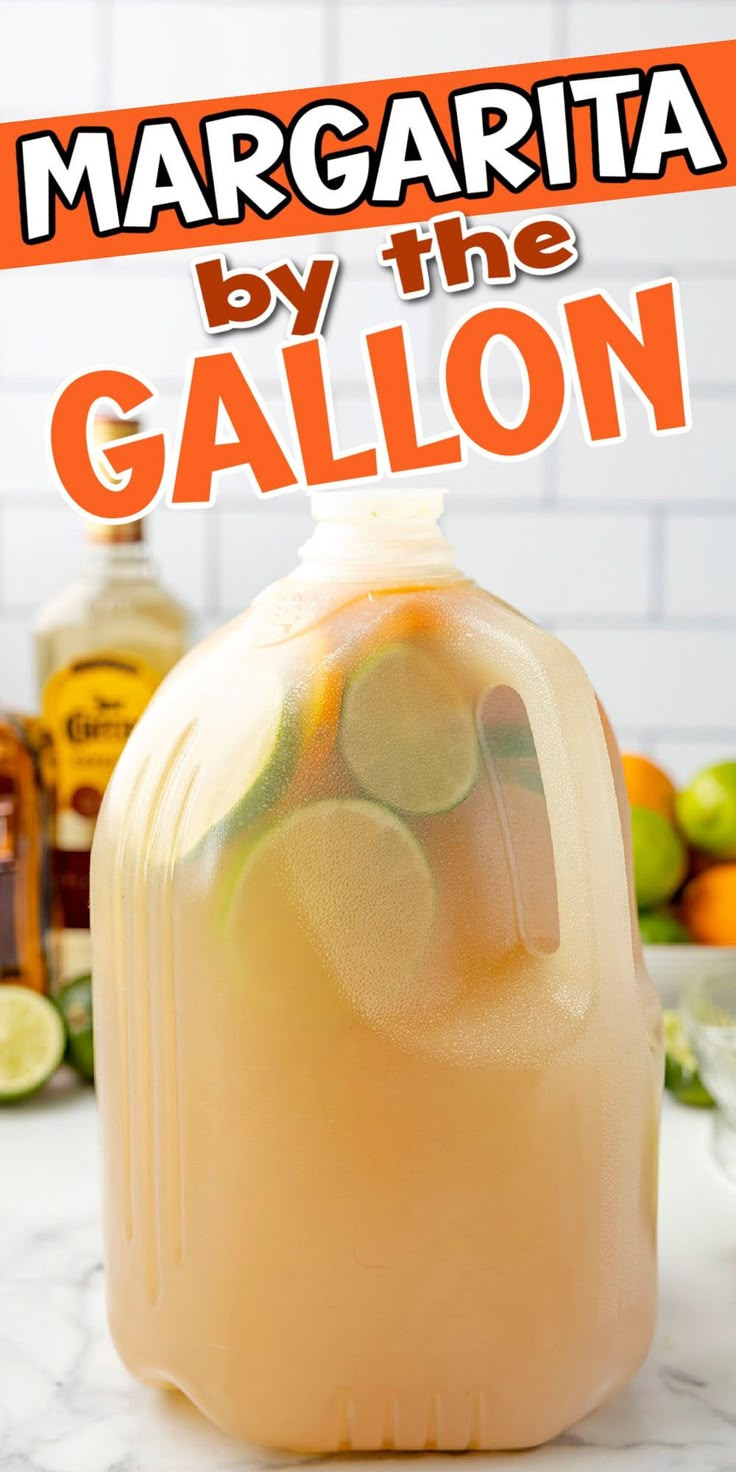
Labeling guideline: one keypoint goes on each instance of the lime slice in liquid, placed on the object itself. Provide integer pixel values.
(247, 756)
(407, 732)
(347, 882)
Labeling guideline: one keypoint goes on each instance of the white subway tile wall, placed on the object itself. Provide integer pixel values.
(627, 551)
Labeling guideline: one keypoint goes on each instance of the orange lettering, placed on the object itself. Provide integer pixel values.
(217, 378)
(307, 375)
(231, 298)
(141, 457)
(652, 358)
(390, 358)
(464, 376)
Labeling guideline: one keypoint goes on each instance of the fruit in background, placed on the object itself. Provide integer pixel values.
(681, 1076)
(658, 928)
(660, 858)
(32, 1042)
(706, 810)
(75, 1005)
(699, 862)
(648, 786)
(709, 906)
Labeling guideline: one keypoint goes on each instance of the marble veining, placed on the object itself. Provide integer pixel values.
(67, 1405)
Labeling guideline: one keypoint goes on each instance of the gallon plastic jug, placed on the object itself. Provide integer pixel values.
(379, 1064)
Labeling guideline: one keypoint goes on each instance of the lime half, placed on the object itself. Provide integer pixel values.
(408, 733)
(340, 889)
(32, 1042)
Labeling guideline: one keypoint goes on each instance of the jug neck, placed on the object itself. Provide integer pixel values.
(377, 537)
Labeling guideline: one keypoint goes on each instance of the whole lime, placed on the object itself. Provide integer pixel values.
(706, 810)
(75, 1006)
(660, 858)
(681, 1076)
(660, 929)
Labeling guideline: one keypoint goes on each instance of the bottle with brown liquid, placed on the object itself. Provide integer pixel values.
(103, 645)
(21, 859)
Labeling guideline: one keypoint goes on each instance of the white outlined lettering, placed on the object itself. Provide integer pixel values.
(249, 157)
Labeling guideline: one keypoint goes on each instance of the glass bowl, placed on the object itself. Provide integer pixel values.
(709, 1015)
(674, 969)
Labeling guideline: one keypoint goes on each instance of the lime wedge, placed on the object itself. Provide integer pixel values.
(32, 1042)
(408, 733)
(342, 888)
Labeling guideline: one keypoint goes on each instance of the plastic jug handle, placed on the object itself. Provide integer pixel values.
(585, 827)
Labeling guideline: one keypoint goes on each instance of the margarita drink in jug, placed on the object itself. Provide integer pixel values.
(379, 1064)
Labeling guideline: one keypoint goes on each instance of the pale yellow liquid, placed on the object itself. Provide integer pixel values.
(117, 604)
(334, 1222)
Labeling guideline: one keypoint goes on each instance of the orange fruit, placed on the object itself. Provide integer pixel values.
(708, 906)
(396, 619)
(321, 710)
(320, 698)
(648, 786)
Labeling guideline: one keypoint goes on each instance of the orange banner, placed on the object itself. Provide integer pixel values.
(367, 153)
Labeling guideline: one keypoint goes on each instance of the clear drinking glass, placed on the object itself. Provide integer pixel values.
(709, 1013)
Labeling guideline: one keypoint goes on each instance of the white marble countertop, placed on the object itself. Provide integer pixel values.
(67, 1405)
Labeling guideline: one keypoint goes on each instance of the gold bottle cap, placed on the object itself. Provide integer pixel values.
(107, 428)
